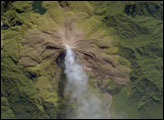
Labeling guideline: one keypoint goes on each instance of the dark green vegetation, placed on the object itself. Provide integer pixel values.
(139, 27)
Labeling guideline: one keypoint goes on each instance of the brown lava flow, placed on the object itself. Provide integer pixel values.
(50, 44)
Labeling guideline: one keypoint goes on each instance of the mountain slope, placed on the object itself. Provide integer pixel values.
(128, 42)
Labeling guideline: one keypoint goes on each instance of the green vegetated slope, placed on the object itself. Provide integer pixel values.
(19, 95)
(139, 26)
(33, 93)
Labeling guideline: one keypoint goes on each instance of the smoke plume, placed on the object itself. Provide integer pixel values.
(88, 104)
